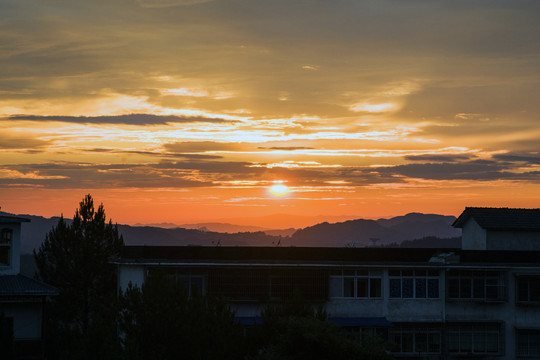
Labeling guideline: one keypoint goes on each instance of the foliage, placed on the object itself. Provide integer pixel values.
(295, 330)
(160, 321)
(76, 259)
(6, 337)
(295, 306)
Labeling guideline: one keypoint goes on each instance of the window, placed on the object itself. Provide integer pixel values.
(192, 282)
(528, 289)
(417, 340)
(5, 246)
(357, 284)
(262, 284)
(528, 342)
(475, 338)
(476, 285)
(359, 333)
(419, 284)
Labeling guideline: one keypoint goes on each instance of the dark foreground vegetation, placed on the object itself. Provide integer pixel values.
(90, 320)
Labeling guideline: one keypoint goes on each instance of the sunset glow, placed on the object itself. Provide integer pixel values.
(279, 189)
(190, 110)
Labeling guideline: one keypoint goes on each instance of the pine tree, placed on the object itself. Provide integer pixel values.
(76, 259)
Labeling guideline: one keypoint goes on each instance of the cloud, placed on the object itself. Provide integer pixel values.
(470, 81)
(478, 170)
(373, 108)
(185, 92)
(285, 148)
(153, 153)
(131, 119)
(521, 158)
(80, 176)
(464, 104)
(439, 158)
(170, 3)
(12, 142)
(201, 146)
(178, 174)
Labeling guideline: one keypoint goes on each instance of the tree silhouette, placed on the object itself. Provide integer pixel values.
(6, 337)
(76, 259)
(296, 330)
(160, 321)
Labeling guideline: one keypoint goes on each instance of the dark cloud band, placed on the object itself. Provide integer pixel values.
(131, 119)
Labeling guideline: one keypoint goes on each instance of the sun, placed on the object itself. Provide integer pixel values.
(279, 188)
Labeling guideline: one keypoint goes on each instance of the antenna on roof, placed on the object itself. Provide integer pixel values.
(278, 243)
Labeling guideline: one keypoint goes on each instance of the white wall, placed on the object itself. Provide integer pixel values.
(513, 240)
(473, 237)
(26, 319)
(130, 273)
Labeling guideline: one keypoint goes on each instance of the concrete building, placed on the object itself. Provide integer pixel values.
(428, 303)
(500, 229)
(22, 299)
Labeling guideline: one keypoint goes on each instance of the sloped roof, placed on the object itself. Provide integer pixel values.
(8, 219)
(11, 285)
(501, 218)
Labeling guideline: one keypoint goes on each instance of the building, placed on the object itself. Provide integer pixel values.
(22, 299)
(500, 229)
(428, 303)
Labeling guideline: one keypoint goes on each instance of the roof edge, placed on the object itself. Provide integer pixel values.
(6, 219)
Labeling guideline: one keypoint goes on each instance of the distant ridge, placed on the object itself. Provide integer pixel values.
(222, 227)
(430, 228)
(380, 232)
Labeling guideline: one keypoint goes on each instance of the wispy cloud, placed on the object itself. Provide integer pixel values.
(11, 142)
(207, 96)
(131, 119)
(170, 3)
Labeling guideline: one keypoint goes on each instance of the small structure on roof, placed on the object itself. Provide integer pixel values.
(486, 228)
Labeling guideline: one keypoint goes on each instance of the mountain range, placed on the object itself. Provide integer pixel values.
(351, 233)
(382, 232)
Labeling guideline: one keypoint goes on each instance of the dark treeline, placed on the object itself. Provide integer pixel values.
(429, 242)
(89, 319)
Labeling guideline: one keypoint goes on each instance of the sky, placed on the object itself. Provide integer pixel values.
(191, 110)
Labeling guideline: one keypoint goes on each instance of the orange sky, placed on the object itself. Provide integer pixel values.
(189, 110)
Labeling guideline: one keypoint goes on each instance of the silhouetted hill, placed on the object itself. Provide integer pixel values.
(222, 227)
(361, 233)
(353, 232)
(358, 232)
(166, 225)
(146, 235)
(417, 225)
(281, 232)
(34, 232)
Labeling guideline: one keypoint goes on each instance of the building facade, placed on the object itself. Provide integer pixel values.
(22, 299)
(427, 303)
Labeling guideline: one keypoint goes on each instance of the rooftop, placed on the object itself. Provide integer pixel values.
(501, 218)
(6, 219)
(197, 255)
(20, 285)
(254, 254)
